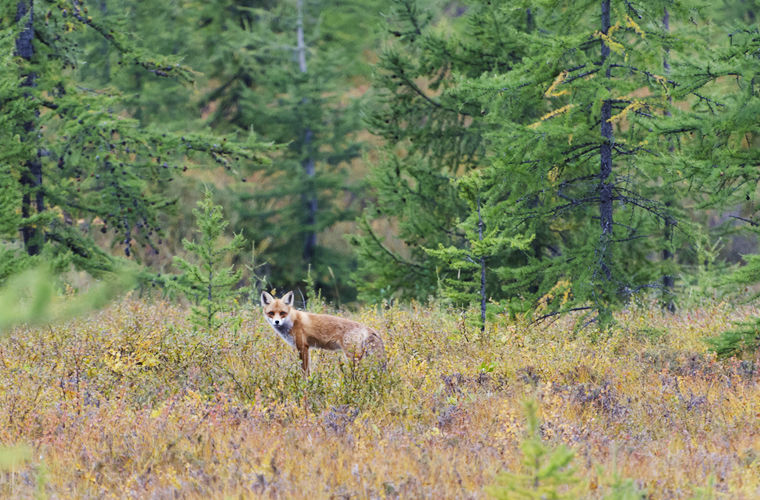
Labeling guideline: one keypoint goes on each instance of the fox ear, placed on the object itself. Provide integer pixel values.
(288, 298)
(266, 298)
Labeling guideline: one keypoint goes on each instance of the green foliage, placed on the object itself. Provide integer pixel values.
(35, 296)
(83, 166)
(283, 69)
(744, 337)
(727, 133)
(211, 287)
(430, 138)
(572, 158)
(547, 472)
(13, 456)
(483, 243)
(732, 13)
(569, 164)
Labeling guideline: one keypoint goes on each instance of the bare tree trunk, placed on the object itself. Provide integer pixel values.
(481, 225)
(668, 282)
(308, 164)
(605, 170)
(31, 178)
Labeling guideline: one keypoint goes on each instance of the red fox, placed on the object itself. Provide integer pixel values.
(303, 330)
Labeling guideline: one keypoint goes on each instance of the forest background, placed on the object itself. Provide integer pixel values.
(533, 157)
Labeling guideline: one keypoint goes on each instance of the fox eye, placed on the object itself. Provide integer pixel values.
(282, 315)
(270, 313)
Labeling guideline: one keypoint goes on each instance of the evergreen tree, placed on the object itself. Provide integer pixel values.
(475, 260)
(546, 472)
(735, 12)
(278, 68)
(167, 28)
(83, 165)
(12, 257)
(726, 154)
(587, 164)
(206, 283)
(430, 138)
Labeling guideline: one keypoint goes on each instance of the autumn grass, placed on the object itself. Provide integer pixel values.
(131, 402)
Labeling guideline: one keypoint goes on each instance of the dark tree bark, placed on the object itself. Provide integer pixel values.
(668, 281)
(605, 170)
(481, 225)
(31, 177)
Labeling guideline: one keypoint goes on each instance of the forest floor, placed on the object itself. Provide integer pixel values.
(131, 402)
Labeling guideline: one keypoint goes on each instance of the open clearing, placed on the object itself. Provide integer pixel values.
(129, 402)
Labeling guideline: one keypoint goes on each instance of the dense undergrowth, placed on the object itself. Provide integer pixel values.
(132, 402)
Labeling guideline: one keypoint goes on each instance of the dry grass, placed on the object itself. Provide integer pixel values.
(130, 402)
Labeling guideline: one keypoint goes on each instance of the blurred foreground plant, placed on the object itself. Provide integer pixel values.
(32, 297)
(547, 473)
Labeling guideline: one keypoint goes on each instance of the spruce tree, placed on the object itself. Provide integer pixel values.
(205, 282)
(82, 164)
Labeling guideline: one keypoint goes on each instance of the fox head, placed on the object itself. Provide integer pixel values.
(277, 311)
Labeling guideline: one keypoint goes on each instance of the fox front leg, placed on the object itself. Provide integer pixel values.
(303, 353)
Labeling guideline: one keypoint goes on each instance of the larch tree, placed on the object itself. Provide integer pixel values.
(724, 155)
(420, 232)
(205, 280)
(83, 165)
(588, 164)
(277, 68)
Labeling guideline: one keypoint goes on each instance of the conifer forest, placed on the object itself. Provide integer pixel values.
(521, 237)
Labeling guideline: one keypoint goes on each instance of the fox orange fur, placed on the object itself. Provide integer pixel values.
(303, 330)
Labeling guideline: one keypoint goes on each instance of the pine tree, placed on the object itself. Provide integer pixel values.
(727, 153)
(211, 287)
(431, 137)
(82, 164)
(280, 68)
(587, 165)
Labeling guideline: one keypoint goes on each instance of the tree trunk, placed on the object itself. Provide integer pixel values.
(31, 177)
(308, 164)
(668, 282)
(605, 187)
(482, 275)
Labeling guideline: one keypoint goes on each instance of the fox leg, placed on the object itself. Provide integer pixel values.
(303, 353)
(303, 350)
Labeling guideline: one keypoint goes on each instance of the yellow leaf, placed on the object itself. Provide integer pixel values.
(632, 24)
(552, 114)
(550, 92)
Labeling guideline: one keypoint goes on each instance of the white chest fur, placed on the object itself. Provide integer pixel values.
(283, 331)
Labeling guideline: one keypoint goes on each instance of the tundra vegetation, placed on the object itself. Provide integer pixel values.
(132, 401)
(546, 209)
